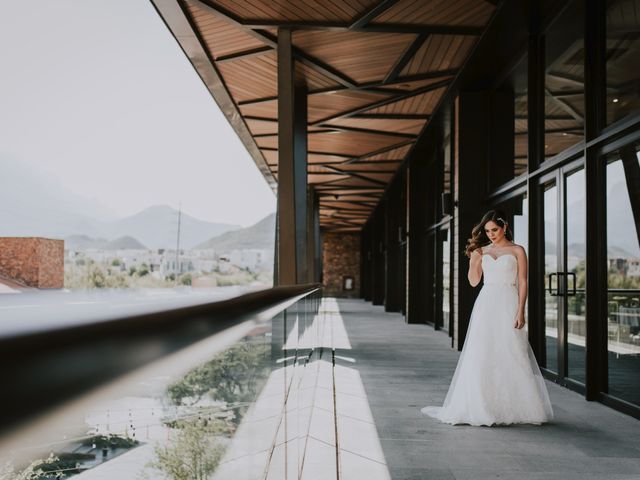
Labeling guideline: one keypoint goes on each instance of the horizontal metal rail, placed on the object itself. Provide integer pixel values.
(42, 370)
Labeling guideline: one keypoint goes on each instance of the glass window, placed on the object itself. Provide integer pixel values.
(622, 53)
(623, 259)
(446, 278)
(509, 131)
(576, 228)
(521, 112)
(564, 81)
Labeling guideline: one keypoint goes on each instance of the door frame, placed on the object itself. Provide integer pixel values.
(559, 176)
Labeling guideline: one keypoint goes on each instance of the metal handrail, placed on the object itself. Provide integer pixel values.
(42, 370)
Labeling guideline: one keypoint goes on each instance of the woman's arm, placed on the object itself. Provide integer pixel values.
(522, 286)
(475, 267)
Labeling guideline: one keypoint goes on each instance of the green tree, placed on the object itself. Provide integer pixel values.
(186, 279)
(193, 454)
(143, 270)
(96, 277)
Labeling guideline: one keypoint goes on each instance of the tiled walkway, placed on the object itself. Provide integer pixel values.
(404, 367)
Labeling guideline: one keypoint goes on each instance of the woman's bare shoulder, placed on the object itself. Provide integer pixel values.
(518, 250)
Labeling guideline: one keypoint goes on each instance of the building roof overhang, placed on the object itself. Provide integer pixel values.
(375, 72)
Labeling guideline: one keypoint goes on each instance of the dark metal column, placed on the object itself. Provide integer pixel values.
(314, 246)
(418, 284)
(379, 254)
(393, 302)
(535, 127)
(292, 169)
(596, 258)
(471, 168)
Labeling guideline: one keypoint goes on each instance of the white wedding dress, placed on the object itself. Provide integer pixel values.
(497, 379)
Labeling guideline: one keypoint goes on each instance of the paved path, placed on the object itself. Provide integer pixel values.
(404, 367)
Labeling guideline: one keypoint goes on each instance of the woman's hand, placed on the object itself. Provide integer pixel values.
(519, 323)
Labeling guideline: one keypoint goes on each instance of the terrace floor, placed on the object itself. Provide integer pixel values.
(405, 367)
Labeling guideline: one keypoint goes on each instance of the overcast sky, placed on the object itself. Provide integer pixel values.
(98, 95)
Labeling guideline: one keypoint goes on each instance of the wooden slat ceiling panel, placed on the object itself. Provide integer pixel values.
(396, 125)
(221, 37)
(258, 127)
(438, 12)
(352, 144)
(314, 179)
(356, 140)
(371, 167)
(440, 52)
(263, 109)
(355, 182)
(364, 57)
(322, 106)
(314, 80)
(313, 158)
(345, 192)
(417, 104)
(319, 158)
(252, 77)
(299, 10)
(364, 200)
(336, 204)
(397, 154)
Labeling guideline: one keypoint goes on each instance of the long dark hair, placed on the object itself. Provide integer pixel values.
(479, 237)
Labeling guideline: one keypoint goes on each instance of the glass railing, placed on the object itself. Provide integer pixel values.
(220, 390)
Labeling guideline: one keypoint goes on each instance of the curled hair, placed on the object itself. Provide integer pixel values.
(478, 235)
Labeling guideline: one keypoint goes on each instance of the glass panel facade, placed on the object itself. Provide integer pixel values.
(576, 274)
(521, 233)
(550, 274)
(564, 81)
(521, 113)
(446, 278)
(623, 259)
(623, 51)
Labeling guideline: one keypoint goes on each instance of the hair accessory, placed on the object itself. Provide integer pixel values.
(501, 219)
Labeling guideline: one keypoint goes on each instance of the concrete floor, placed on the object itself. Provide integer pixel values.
(405, 367)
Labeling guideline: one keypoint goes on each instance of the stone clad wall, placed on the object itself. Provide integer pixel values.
(341, 257)
(33, 261)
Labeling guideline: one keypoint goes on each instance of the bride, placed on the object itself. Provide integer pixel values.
(497, 379)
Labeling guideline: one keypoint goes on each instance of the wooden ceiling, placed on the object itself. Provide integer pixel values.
(375, 71)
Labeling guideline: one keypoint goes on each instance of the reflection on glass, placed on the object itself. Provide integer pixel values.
(521, 130)
(245, 412)
(446, 279)
(623, 258)
(521, 234)
(550, 274)
(564, 81)
(576, 277)
(623, 51)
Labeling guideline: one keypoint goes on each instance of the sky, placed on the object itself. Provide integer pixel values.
(98, 96)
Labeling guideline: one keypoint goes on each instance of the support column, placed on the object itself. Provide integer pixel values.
(379, 255)
(292, 169)
(416, 301)
(470, 190)
(597, 371)
(313, 237)
(535, 147)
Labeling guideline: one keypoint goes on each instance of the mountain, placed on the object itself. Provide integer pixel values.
(124, 243)
(260, 236)
(157, 227)
(83, 242)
